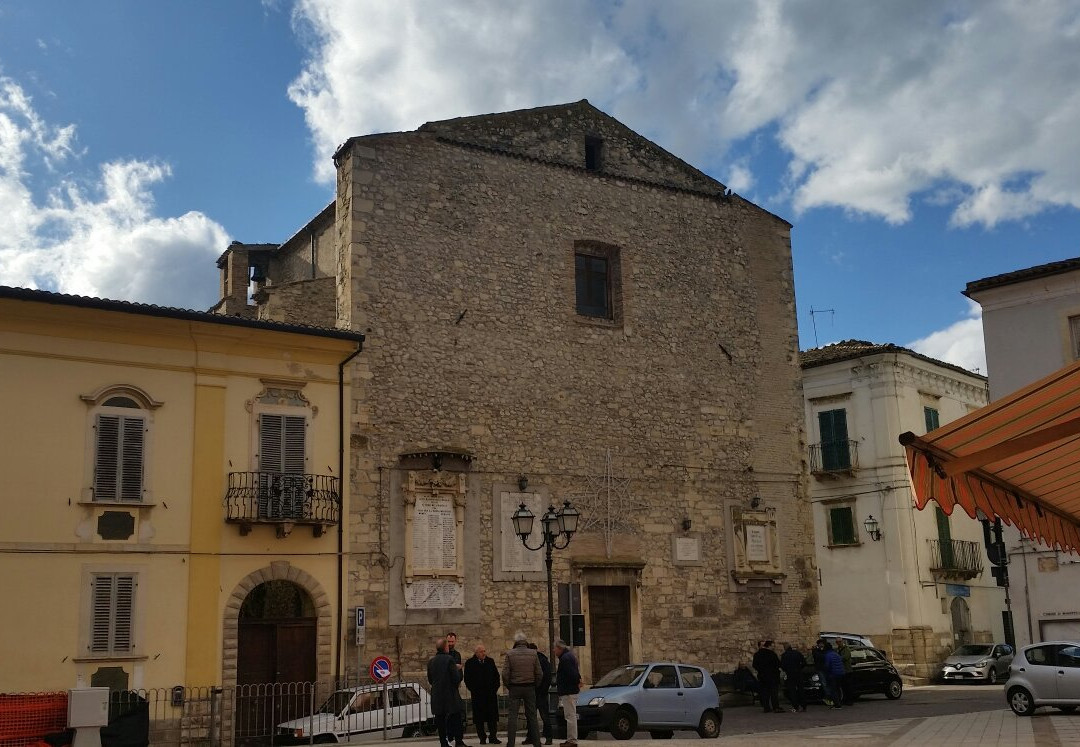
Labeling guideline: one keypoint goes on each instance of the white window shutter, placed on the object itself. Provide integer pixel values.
(106, 457)
(131, 463)
(124, 615)
(100, 613)
(270, 434)
(293, 448)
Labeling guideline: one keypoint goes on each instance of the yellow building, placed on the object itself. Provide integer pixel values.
(172, 499)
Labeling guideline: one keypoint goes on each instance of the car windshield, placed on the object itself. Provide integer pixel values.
(622, 677)
(336, 703)
(973, 650)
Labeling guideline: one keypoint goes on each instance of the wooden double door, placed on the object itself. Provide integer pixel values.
(609, 628)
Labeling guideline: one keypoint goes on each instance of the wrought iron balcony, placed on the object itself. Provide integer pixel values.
(955, 558)
(284, 499)
(833, 458)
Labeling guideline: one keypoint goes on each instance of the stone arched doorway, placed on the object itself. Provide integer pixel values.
(961, 621)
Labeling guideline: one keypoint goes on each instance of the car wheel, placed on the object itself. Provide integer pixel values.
(623, 724)
(410, 731)
(709, 727)
(1067, 709)
(429, 728)
(992, 676)
(325, 739)
(661, 733)
(894, 689)
(1021, 702)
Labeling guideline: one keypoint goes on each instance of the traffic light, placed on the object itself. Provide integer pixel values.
(1001, 574)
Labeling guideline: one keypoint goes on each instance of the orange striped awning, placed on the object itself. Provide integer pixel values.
(1017, 458)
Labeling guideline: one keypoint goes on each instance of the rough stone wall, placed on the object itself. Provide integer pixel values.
(557, 133)
(304, 302)
(458, 265)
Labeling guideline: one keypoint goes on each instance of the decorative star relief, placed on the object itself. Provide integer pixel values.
(606, 503)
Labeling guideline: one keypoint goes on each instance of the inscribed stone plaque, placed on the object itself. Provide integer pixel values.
(434, 534)
(757, 548)
(427, 594)
(687, 549)
(514, 556)
(1048, 564)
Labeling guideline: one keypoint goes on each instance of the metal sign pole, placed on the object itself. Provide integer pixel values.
(386, 710)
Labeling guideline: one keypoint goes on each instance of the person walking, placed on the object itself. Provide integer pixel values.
(521, 673)
(567, 686)
(443, 680)
(482, 680)
(542, 695)
(792, 662)
(834, 674)
(767, 664)
(846, 689)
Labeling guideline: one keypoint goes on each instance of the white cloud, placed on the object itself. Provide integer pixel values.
(961, 343)
(877, 104)
(99, 238)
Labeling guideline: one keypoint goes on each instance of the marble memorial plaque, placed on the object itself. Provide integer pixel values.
(434, 535)
(687, 549)
(428, 594)
(757, 549)
(515, 557)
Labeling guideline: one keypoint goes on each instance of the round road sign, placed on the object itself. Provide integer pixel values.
(380, 669)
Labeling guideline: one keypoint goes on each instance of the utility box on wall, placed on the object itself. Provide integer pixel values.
(88, 706)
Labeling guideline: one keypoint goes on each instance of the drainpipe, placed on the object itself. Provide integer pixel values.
(343, 476)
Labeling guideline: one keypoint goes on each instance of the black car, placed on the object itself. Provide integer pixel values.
(871, 673)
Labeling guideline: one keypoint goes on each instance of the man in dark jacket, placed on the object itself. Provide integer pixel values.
(567, 685)
(542, 697)
(482, 679)
(459, 722)
(767, 664)
(793, 663)
(446, 703)
(521, 674)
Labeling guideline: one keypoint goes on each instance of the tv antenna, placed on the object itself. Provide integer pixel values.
(813, 321)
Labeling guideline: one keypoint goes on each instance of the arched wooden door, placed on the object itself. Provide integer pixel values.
(276, 658)
(961, 621)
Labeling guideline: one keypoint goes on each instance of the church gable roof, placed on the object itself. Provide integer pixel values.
(580, 135)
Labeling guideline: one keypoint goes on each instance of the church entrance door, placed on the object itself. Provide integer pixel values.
(609, 628)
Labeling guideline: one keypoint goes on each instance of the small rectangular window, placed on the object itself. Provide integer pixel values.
(841, 526)
(593, 281)
(571, 619)
(933, 421)
(594, 151)
(112, 613)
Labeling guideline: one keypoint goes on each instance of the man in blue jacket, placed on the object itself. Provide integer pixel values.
(567, 685)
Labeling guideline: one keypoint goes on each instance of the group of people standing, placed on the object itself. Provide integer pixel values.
(526, 673)
(833, 665)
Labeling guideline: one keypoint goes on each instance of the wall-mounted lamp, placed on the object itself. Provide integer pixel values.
(523, 483)
(686, 524)
(872, 527)
(436, 462)
(755, 501)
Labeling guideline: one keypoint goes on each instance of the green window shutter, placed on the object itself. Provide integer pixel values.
(835, 448)
(842, 525)
(933, 421)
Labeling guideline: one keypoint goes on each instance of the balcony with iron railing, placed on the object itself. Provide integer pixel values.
(834, 458)
(283, 499)
(958, 559)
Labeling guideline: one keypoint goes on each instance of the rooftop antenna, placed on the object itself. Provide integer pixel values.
(813, 321)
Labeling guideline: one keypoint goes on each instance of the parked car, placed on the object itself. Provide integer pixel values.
(658, 697)
(871, 673)
(853, 639)
(406, 711)
(985, 662)
(1045, 674)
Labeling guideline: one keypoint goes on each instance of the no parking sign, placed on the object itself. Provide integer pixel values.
(380, 669)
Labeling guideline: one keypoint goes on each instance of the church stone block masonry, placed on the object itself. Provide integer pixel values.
(557, 309)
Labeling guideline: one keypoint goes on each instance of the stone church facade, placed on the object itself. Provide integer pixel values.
(556, 309)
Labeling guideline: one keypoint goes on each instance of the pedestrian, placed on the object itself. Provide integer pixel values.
(482, 680)
(459, 722)
(846, 688)
(567, 685)
(543, 695)
(792, 662)
(521, 674)
(767, 664)
(443, 680)
(834, 674)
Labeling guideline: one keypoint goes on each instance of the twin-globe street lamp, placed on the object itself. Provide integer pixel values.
(557, 525)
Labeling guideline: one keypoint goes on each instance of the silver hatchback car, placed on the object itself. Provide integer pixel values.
(656, 697)
(1045, 674)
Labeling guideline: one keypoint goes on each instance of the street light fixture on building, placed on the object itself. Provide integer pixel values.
(872, 528)
(558, 529)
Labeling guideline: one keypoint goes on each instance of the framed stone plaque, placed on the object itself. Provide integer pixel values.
(754, 548)
(686, 550)
(510, 560)
(434, 519)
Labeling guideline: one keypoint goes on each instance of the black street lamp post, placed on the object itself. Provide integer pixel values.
(557, 525)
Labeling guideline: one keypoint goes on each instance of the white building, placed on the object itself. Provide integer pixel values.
(921, 583)
(1031, 328)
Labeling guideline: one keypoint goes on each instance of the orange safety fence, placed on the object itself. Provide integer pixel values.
(25, 719)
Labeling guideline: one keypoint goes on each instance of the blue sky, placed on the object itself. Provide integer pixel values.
(914, 144)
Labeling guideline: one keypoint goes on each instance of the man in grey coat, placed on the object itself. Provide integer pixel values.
(521, 673)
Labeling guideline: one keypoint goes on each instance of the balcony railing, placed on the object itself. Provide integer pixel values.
(834, 458)
(955, 558)
(284, 499)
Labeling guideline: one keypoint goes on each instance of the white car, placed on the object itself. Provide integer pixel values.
(1045, 674)
(851, 638)
(346, 714)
